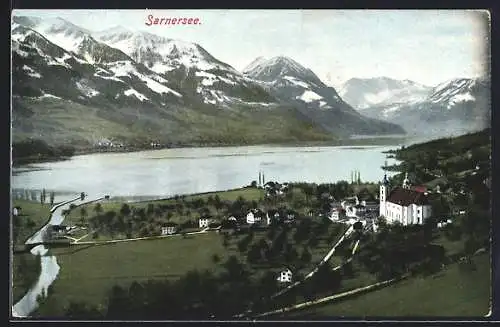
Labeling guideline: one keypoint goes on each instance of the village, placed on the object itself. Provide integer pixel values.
(405, 205)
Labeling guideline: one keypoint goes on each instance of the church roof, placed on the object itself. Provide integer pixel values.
(405, 197)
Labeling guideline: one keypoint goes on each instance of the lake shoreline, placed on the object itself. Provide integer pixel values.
(376, 141)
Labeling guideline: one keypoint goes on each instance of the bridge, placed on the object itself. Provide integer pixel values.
(26, 248)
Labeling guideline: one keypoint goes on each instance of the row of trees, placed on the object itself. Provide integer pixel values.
(31, 195)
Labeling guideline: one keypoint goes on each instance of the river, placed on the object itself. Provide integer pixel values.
(161, 173)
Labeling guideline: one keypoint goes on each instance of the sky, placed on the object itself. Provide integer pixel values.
(426, 46)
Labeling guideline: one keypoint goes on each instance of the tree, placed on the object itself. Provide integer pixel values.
(306, 256)
(313, 241)
(253, 255)
(253, 184)
(150, 209)
(169, 215)
(243, 244)
(268, 284)
(291, 254)
(125, 210)
(43, 196)
(235, 270)
(30, 223)
(98, 208)
(52, 198)
(326, 278)
(82, 311)
(215, 258)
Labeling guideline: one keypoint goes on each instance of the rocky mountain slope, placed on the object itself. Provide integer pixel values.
(289, 81)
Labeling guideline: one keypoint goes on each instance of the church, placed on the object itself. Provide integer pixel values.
(406, 204)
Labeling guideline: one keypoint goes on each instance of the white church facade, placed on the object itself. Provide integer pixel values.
(404, 204)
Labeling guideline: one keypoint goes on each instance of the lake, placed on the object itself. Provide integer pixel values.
(166, 172)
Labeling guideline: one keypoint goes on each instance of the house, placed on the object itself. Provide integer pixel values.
(275, 188)
(371, 206)
(403, 204)
(444, 223)
(355, 211)
(169, 229)
(349, 202)
(290, 216)
(58, 230)
(285, 276)
(273, 216)
(334, 215)
(203, 222)
(254, 216)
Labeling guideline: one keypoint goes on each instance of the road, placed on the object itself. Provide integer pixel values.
(332, 297)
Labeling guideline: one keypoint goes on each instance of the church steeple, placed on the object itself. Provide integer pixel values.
(406, 181)
(384, 186)
(385, 181)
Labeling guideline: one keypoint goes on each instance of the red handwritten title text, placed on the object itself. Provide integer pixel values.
(152, 20)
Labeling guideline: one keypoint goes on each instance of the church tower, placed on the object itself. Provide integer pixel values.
(406, 182)
(384, 187)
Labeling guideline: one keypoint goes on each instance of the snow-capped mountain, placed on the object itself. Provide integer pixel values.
(455, 91)
(205, 77)
(70, 85)
(289, 81)
(362, 93)
(88, 63)
(53, 89)
(455, 106)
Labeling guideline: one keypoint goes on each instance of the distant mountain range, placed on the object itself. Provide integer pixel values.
(362, 93)
(74, 85)
(453, 107)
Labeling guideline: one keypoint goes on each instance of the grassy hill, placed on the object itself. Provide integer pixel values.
(59, 122)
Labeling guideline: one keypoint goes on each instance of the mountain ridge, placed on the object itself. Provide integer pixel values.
(287, 79)
(112, 77)
(458, 105)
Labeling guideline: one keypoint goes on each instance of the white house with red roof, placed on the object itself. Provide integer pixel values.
(407, 205)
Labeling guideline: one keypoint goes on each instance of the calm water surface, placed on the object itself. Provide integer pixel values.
(192, 170)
